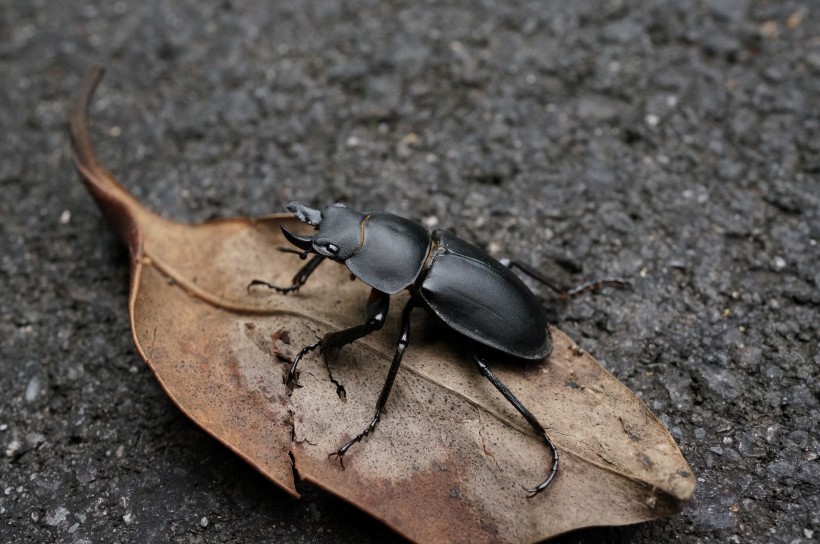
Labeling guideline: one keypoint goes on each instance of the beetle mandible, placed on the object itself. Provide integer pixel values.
(474, 294)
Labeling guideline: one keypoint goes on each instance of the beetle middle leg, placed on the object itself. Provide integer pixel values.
(377, 305)
(562, 292)
(404, 338)
(531, 419)
(298, 280)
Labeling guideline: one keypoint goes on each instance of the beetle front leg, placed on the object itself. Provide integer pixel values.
(377, 305)
(292, 380)
(531, 419)
(298, 280)
(404, 339)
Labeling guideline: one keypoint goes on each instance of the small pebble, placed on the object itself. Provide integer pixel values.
(57, 516)
(12, 448)
(33, 389)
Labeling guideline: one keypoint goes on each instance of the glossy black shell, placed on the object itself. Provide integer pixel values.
(458, 282)
(392, 252)
(482, 299)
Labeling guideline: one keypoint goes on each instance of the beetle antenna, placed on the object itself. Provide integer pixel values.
(302, 254)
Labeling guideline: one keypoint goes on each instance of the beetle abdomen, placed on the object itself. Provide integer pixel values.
(483, 300)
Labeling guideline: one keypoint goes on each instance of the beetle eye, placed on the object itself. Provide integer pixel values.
(332, 249)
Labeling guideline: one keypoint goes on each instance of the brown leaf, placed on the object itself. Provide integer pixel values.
(448, 460)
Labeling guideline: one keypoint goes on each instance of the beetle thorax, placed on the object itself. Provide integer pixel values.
(392, 252)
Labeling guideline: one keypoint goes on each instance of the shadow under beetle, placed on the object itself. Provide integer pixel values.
(474, 294)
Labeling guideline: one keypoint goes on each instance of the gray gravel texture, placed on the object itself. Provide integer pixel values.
(675, 143)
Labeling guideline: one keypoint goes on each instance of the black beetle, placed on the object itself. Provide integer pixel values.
(476, 295)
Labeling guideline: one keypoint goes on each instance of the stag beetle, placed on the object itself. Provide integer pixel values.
(474, 294)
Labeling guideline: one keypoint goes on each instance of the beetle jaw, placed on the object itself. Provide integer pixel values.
(308, 244)
(305, 243)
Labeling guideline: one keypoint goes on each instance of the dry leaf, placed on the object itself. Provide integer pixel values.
(448, 460)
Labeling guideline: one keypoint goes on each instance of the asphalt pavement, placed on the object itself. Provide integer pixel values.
(673, 143)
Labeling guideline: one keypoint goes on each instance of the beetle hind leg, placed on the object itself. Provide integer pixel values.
(531, 419)
(401, 346)
(597, 285)
(562, 292)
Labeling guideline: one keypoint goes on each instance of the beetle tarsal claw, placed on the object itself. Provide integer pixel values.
(293, 376)
(531, 492)
(340, 455)
(291, 380)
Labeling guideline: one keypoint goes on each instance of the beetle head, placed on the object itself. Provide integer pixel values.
(339, 234)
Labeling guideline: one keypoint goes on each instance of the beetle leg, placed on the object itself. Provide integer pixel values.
(292, 379)
(377, 305)
(566, 293)
(598, 284)
(298, 280)
(534, 423)
(404, 338)
(534, 274)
